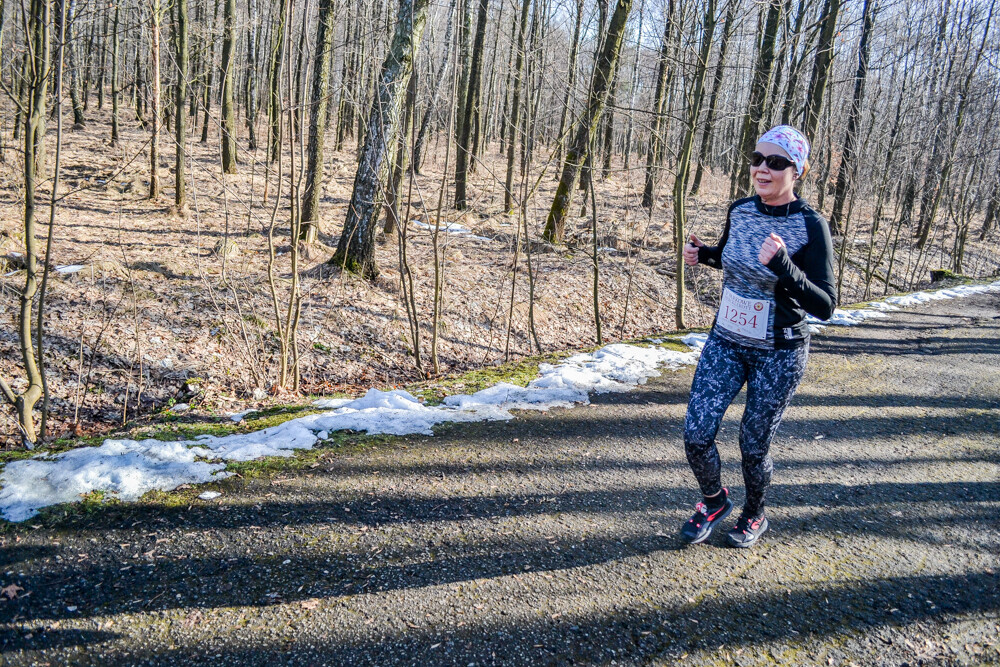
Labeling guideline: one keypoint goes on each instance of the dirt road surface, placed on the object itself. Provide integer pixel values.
(552, 539)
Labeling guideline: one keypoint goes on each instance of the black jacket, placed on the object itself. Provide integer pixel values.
(806, 282)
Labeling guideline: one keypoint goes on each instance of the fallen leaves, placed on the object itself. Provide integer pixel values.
(192, 619)
(11, 591)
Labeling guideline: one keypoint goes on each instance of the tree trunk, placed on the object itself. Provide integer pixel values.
(345, 108)
(684, 158)
(102, 66)
(991, 209)
(228, 110)
(706, 135)
(356, 248)
(154, 134)
(932, 198)
(21, 94)
(609, 130)
(633, 88)
(317, 122)
(484, 133)
(471, 109)
(586, 127)
(796, 64)
(274, 84)
(574, 50)
(37, 89)
(418, 144)
(399, 166)
(821, 69)
(586, 171)
(758, 90)
(210, 68)
(465, 58)
(860, 77)
(251, 77)
(180, 128)
(938, 80)
(515, 110)
(74, 70)
(655, 140)
(115, 44)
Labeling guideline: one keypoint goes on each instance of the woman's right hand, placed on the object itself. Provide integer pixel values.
(691, 250)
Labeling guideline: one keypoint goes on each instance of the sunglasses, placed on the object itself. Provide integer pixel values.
(775, 162)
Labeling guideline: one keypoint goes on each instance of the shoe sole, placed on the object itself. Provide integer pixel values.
(745, 545)
(708, 533)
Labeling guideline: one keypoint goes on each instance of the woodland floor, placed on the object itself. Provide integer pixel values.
(551, 539)
(172, 308)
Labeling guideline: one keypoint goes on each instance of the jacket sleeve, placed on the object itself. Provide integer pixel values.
(711, 255)
(810, 278)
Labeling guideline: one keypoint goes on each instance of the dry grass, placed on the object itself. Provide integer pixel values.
(159, 306)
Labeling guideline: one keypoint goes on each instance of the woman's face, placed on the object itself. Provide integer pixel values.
(772, 185)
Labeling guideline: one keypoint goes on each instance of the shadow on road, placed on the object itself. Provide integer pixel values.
(666, 633)
(232, 577)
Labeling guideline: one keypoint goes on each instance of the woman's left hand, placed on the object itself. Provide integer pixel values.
(770, 248)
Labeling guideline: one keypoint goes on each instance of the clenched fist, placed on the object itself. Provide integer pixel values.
(691, 250)
(770, 248)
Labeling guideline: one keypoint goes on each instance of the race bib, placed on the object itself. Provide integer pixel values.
(747, 317)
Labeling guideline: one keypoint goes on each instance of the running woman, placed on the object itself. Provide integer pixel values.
(776, 258)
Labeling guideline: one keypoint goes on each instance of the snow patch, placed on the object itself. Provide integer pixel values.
(237, 417)
(881, 309)
(127, 469)
(695, 340)
(448, 228)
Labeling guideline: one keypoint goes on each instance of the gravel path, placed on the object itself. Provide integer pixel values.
(551, 539)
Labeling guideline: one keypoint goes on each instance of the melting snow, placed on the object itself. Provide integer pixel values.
(448, 228)
(128, 468)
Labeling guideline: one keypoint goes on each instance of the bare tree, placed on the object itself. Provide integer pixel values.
(180, 128)
(228, 109)
(850, 138)
(586, 126)
(821, 68)
(654, 154)
(156, 15)
(317, 122)
(758, 90)
(470, 110)
(684, 158)
(356, 248)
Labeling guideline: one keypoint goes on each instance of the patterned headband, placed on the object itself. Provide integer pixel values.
(790, 139)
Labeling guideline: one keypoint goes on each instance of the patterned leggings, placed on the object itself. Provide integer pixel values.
(771, 377)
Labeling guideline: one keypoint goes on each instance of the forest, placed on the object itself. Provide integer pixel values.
(213, 204)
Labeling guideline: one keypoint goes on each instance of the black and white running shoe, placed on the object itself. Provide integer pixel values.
(699, 527)
(747, 531)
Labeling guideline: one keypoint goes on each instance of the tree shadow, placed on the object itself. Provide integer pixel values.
(33, 639)
(238, 571)
(661, 632)
(847, 346)
(16, 553)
